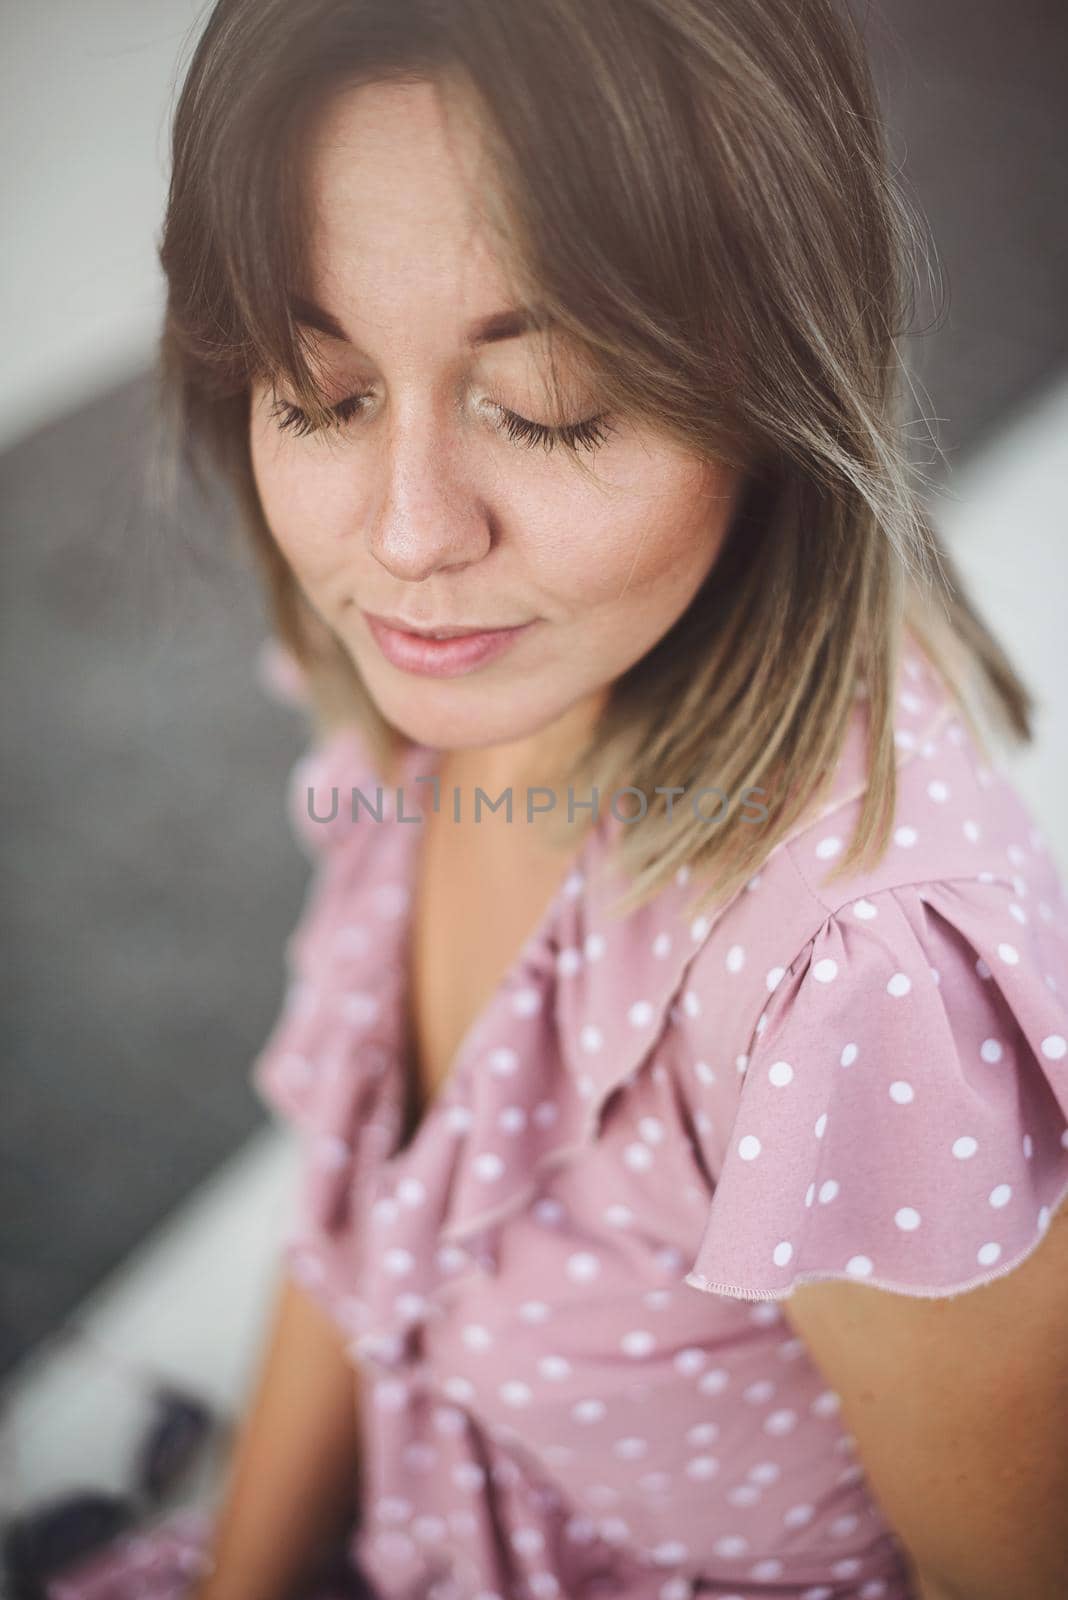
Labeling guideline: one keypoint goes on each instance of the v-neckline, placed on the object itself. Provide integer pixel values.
(428, 758)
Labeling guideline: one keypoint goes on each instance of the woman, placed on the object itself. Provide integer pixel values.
(653, 1147)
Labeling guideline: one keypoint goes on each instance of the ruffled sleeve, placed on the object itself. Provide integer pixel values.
(901, 1115)
(325, 1068)
(331, 1042)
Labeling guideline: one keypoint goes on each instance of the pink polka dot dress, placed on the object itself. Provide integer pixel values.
(561, 1297)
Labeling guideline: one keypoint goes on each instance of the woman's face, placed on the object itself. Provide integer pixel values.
(420, 505)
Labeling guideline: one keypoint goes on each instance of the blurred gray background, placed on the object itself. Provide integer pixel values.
(149, 875)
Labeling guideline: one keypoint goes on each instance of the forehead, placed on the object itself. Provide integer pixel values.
(394, 179)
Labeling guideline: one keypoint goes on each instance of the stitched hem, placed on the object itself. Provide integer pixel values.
(735, 1291)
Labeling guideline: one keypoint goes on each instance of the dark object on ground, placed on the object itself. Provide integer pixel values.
(41, 1542)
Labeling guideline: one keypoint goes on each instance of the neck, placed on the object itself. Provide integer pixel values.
(538, 761)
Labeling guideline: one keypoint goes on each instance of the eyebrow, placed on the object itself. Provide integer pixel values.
(510, 324)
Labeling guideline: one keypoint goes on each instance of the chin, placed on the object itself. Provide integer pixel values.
(458, 714)
(428, 720)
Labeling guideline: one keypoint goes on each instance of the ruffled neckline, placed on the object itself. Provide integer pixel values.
(574, 1018)
(533, 963)
(368, 1051)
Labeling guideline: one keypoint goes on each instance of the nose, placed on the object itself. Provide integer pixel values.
(426, 516)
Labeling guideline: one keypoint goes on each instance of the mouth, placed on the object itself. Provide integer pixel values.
(426, 630)
(445, 652)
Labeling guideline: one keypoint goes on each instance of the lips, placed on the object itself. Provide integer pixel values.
(430, 631)
(457, 652)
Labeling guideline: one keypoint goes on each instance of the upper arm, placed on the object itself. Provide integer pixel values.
(889, 1169)
(959, 1410)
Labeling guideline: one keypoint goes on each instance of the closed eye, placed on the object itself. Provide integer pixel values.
(587, 434)
(292, 419)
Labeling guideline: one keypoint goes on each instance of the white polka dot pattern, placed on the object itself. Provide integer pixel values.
(937, 1162)
(861, 1079)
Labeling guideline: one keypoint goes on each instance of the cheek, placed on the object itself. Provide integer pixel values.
(647, 552)
(303, 517)
(276, 485)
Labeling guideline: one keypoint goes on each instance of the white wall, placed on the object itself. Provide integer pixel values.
(86, 91)
(1005, 518)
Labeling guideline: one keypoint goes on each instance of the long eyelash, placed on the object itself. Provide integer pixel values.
(573, 435)
(588, 434)
(292, 417)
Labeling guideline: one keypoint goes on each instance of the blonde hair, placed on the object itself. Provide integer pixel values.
(698, 194)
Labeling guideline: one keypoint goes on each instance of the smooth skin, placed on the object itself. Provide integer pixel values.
(959, 1409)
(293, 1484)
(421, 505)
